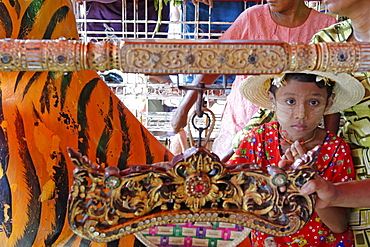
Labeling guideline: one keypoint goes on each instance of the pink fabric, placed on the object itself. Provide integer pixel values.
(255, 23)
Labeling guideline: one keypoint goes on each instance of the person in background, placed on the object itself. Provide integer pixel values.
(112, 10)
(211, 13)
(356, 132)
(300, 100)
(285, 20)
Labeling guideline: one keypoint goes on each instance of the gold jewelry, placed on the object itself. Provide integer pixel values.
(294, 154)
(303, 142)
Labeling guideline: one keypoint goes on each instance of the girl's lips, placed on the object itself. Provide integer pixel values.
(299, 127)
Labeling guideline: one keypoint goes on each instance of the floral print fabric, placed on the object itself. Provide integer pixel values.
(334, 163)
(255, 23)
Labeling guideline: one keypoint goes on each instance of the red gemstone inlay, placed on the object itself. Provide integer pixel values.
(198, 188)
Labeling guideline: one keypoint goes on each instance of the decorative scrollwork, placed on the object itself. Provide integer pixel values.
(106, 203)
(182, 57)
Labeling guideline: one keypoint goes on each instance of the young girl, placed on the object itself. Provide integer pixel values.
(300, 100)
(284, 20)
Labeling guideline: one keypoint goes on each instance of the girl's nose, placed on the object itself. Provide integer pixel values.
(301, 112)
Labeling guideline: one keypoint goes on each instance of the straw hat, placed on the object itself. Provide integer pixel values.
(348, 90)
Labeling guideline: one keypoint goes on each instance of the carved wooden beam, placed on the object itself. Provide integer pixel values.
(106, 203)
(181, 57)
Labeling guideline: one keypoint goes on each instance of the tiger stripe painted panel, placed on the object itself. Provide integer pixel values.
(43, 113)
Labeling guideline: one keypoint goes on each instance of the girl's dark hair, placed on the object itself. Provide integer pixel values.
(306, 78)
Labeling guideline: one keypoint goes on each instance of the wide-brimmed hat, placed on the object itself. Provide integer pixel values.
(348, 90)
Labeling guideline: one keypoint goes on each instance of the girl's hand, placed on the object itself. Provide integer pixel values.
(297, 155)
(294, 152)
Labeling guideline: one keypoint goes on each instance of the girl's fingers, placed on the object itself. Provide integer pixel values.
(289, 154)
(299, 149)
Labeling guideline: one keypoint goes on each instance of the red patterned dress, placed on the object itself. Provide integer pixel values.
(334, 163)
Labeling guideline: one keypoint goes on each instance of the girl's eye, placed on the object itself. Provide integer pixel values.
(314, 102)
(290, 101)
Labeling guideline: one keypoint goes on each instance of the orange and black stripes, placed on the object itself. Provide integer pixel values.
(29, 17)
(33, 205)
(5, 192)
(6, 22)
(44, 113)
(82, 118)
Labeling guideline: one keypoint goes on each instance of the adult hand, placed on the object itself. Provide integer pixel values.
(208, 2)
(326, 191)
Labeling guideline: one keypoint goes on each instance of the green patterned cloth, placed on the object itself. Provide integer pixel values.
(356, 131)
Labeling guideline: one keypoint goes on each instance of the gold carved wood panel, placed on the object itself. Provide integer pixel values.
(182, 57)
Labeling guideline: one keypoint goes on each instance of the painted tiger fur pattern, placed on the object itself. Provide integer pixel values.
(43, 113)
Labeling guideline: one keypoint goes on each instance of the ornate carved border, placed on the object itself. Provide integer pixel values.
(176, 56)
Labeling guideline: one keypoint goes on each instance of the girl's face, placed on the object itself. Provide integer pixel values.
(299, 107)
